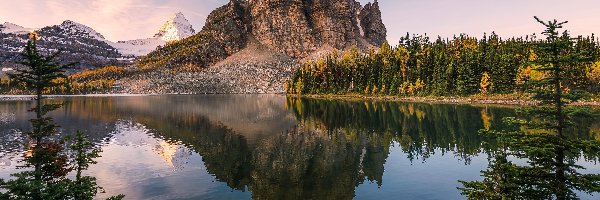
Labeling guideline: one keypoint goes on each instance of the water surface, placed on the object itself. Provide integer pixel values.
(273, 147)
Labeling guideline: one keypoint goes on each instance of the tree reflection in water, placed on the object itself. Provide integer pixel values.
(334, 147)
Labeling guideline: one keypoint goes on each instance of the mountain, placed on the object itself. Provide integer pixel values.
(14, 29)
(79, 43)
(176, 28)
(74, 29)
(284, 31)
(86, 46)
(297, 28)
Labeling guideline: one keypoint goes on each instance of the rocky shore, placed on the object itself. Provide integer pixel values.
(449, 100)
(254, 70)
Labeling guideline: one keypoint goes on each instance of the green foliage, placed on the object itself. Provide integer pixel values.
(545, 135)
(43, 70)
(444, 67)
(46, 157)
(84, 187)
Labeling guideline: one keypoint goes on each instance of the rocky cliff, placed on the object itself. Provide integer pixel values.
(300, 27)
(296, 28)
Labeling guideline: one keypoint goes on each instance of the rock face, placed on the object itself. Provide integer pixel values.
(299, 27)
(370, 20)
(295, 28)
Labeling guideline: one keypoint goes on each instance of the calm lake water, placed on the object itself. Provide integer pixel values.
(273, 147)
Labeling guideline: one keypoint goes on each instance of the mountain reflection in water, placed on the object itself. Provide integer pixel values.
(273, 147)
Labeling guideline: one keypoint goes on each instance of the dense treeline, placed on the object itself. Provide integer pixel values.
(462, 65)
(101, 80)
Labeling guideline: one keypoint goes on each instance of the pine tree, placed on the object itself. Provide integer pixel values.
(447, 67)
(48, 159)
(543, 135)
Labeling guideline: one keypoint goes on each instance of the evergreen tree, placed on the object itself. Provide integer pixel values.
(445, 67)
(47, 158)
(544, 138)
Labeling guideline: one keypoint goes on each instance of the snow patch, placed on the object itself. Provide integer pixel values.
(139, 47)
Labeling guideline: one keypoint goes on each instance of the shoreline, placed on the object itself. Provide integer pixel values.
(26, 97)
(510, 100)
(472, 100)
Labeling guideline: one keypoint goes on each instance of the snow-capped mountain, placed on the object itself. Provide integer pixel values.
(15, 29)
(84, 45)
(176, 28)
(69, 27)
(78, 42)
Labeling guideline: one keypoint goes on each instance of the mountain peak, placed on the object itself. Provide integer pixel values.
(176, 28)
(15, 29)
(79, 29)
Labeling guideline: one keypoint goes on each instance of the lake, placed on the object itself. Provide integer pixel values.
(273, 146)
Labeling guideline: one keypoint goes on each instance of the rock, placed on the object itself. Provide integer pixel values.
(374, 29)
(299, 27)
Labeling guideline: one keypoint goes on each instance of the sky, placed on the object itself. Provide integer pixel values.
(134, 19)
